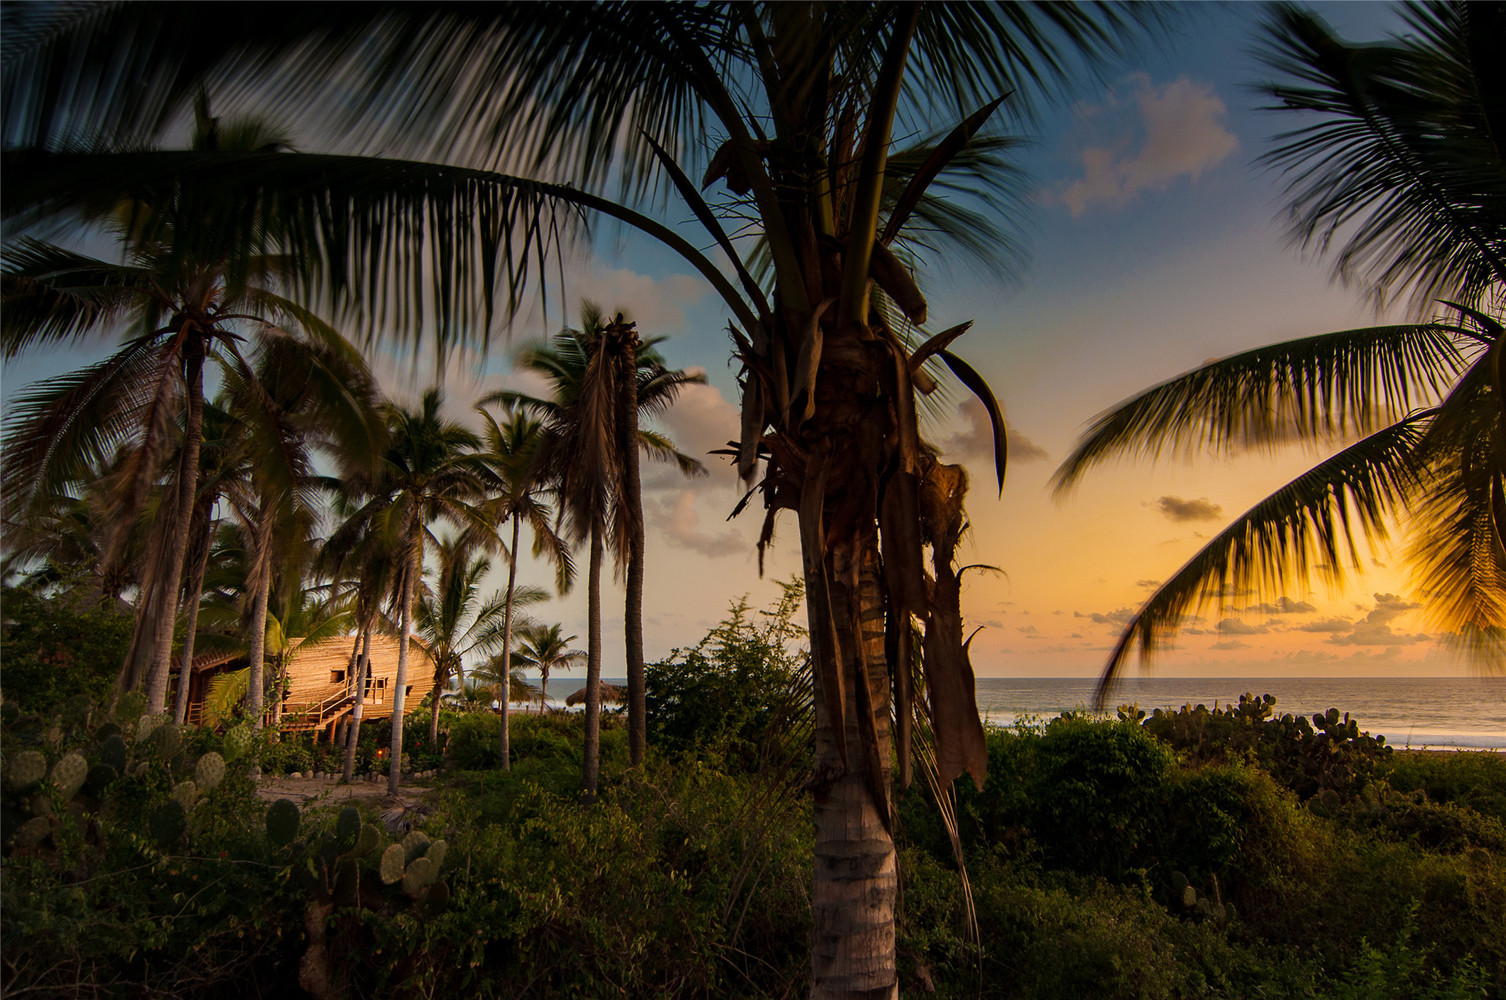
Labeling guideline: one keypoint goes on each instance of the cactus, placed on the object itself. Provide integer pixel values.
(347, 890)
(40, 805)
(282, 822)
(31, 833)
(186, 792)
(417, 876)
(25, 769)
(237, 742)
(347, 827)
(209, 771)
(437, 898)
(392, 864)
(100, 776)
(68, 774)
(164, 739)
(414, 845)
(366, 841)
(113, 752)
(436, 853)
(167, 823)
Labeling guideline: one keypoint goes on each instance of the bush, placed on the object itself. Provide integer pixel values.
(60, 647)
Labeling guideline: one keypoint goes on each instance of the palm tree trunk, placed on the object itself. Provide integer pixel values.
(441, 678)
(362, 669)
(191, 599)
(188, 488)
(592, 766)
(256, 680)
(512, 583)
(632, 623)
(856, 876)
(410, 577)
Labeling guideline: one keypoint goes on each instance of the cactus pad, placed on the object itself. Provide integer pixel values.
(167, 823)
(100, 776)
(414, 845)
(438, 898)
(209, 771)
(347, 883)
(282, 822)
(25, 769)
(164, 738)
(436, 853)
(1189, 896)
(392, 864)
(68, 774)
(186, 792)
(366, 841)
(237, 742)
(347, 827)
(418, 875)
(113, 752)
(32, 832)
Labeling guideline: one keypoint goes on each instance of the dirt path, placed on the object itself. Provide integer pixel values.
(398, 812)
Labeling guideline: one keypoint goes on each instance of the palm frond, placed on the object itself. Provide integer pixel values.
(52, 295)
(1309, 389)
(1307, 525)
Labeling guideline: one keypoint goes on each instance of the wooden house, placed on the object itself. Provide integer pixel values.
(321, 688)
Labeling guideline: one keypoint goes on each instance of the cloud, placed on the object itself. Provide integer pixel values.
(701, 420)
(1147, 141)
(1177, 509)
(1375, 628)
(1233, 626)
(976, 438)
(1283, 606)
(1121, 617)
(1148, 584)
(1334, 625)
(680, 523)
(1231, 644)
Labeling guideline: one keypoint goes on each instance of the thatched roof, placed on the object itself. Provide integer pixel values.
(609, 692)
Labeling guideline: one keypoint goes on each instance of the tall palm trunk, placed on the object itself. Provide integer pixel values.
(188, 489)
(632, 493)
(256, 678)
(191, 599)
(592, 766)
(361, 672)
(512, 584)
(410, 578)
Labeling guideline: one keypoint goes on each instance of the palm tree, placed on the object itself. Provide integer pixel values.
(1405, 136)
(428, 475)
(627, 95)
(546, 649)
(512, 477)
(583, 456)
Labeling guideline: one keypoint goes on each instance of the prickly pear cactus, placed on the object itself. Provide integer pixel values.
(24, 769)
(366, 841)
(167, 823)
(435, 854)
(100, 776)
(394, 861)
(209, 771)
(437, 898)
(165, 739)
(186, 793)
(69, 773)
(347, 827)
(237, 742)
(31, 833)
(418, 876)
(113, 752)
(347, 889)
(282, 822)
(414, 845)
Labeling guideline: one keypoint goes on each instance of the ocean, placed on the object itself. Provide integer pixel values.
(1466, 713)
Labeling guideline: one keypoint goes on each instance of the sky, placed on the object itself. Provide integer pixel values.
(1156, 242)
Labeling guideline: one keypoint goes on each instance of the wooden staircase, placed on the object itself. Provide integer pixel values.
(314, 714)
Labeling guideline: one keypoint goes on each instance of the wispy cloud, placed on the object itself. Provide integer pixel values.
(975, 438)
(1178, 509)
(1147, 140)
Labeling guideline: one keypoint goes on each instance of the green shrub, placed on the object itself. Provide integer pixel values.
(57, 648)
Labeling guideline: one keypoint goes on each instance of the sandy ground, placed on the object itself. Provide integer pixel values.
(398, 812)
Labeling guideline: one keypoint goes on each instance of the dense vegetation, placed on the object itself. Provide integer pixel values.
(1230, 853)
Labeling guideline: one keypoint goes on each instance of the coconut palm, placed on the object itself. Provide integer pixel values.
(1400, 161)
(623, 99)
(583, 456)
(428, 475)
(455, 621)
(546, 649)
(513, 478)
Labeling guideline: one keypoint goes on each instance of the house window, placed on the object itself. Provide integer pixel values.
(376, 690)
(337, 677)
